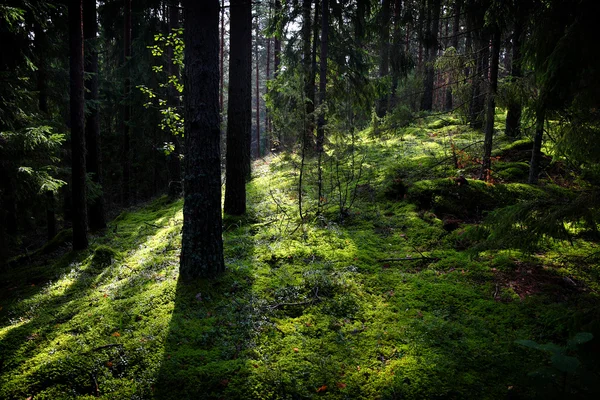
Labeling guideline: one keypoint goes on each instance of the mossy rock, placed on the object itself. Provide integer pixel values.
(466, 201)
(511, 171)
(103, 257)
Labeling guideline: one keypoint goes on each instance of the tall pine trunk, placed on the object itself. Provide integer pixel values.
(202, 241)
(536, 154)
(239, 107)
(96, 217)
(174, 165)
(309, 79)
(77, 102)
(322, 98)
(126, 158)
(513, 115)
(454, 42)
(431, 45)
(384, 56)
(491, 107)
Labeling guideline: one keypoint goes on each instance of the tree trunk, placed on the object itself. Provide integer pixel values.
(96, 217)
(384, 56)
(77, 102)
(42, 87)
(126, 160)
(397, 54)
(257, 89)
(513, 115)
(491, 107)
(174, 164)
(202, 242)
(222, 56)
(322, 97)
(239, 108)
(309, 79)
(431, 45)
(454, 43)
(536, 154)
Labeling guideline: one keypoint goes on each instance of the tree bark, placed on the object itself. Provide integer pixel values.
(536, 154)
(239, 108)
(77, 101)
(202, 242)
(513, 115)
(126, 158)
(322, 97)
(174, 164)
(491, 107)
(257, 89)
(454, 43)
(309, 79)
(384, 55)
(431, 45)
(96, 217)
(397, 54)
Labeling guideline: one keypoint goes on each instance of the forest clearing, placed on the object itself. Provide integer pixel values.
(344, 199)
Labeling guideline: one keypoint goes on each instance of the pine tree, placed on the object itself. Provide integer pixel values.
(202, 242)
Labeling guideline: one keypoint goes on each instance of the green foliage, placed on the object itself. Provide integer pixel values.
(171, 116)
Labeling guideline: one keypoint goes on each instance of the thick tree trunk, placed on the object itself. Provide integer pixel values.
(126, 157)
(536, 154)
(513, 115)
(202, 242)
(431, 45)
(384, 55)
(174, 164)
(239, 108)
(491, 107)
(96, 217)
(77, 101)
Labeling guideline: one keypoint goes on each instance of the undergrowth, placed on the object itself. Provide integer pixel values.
(385, 300)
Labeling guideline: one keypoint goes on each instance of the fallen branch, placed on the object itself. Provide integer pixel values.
(106, 346)
(407, 259)
(301, 303)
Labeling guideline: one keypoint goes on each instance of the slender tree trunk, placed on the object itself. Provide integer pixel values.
(267, 119)
(42, 87)
(202, 242)
(491, 107)
(96, 217)
(239, 108)
(384, 55)
(77, 101)
(397, 53)
(454, 43)
(257, 89)
(431, 51)
(222, 56)
(126, 160)
(173, 162)
(513, 115)
(309, 80)
(477, 94)
(536, 154)
(322, 97)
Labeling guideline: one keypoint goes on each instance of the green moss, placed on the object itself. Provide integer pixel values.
(320, 307)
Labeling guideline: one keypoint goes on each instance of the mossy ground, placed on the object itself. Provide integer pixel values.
(376, 298)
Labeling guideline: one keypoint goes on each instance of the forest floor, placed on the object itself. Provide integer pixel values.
(385, 295)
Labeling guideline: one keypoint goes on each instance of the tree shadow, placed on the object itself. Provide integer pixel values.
(212, 332)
